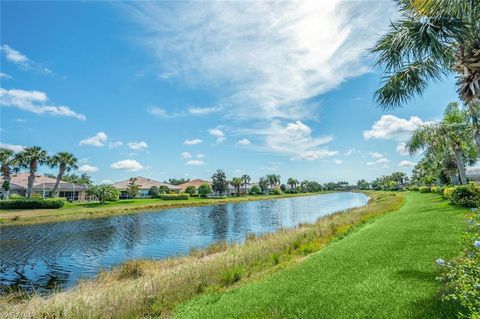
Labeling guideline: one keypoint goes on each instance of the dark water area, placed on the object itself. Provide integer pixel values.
(46, 256)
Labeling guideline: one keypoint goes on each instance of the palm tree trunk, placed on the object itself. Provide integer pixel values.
(8, 178)
(61, 172)
(477, 140)
(31, 180)
(460, 164)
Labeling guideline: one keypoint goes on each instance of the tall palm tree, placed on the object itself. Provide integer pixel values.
(430, 39)
(30, 158)
(8, 166)
(65, 162)
(473, 115)
(246, 180)
(292, 182)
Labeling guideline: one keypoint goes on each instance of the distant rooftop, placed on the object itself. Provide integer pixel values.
(143, 183)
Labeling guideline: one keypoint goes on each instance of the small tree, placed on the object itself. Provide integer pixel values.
(132, 188)
(163, 189)
(237, 183)
(153, 191)
(283, 187)
(263, 184)
(220, 182)
(255, 190)
(104, 193)
(246, 180)
(204, 190)
(190, 190)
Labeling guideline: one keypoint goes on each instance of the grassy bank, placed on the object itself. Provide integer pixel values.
(88, 210)
(385, 270)
(155, 288)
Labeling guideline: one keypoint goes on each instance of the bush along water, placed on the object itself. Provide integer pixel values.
(460, 277)
(175, 196)
(31, 203)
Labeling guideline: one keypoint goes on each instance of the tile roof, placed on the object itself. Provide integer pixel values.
(194, 182)
(20, 181)
(143, 183)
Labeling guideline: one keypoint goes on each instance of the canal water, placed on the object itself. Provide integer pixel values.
(46, 256)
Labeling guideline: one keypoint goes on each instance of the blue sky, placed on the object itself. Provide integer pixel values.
(180, 89)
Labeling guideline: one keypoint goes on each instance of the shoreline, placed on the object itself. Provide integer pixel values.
(78, 212)
(216, 268)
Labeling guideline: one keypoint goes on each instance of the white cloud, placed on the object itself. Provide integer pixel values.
(106, 181)
(218, 134)
(272, 167)
(200, 155)
(186, 155)
(375, 155)
(129, 165)
(406, 164)
(203, 110)
(294, 139)
(351, 151)
(22, 60)
(195, 141)
(35, 102)
(244, 141)
(268, 57)
(370, 163)
(383, 161)
(337, 161)
(13, 147)
(162, 113)
(401, 148)
(195, 162)
(138, 146)
(390, 127)
(5, 76)
(97, 140)
(88, 168)
(115, 144)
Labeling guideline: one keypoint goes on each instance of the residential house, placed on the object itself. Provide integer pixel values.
(144, 185)
(195, 183)
(43, 186)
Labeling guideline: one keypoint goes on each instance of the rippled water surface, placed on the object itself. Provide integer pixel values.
(58, 255)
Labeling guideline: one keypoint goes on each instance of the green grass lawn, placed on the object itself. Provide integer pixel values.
(386, 269)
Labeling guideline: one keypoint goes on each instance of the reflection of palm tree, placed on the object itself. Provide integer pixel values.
(31, 158)
(65, 162)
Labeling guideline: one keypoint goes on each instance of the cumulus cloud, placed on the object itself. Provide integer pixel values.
(269, 57)
(106, 181)
(129, 165)
(244, 141)
(195, 162)
(138, 146)
(383, 161)
(186, 155)
(294, 139)
(97, 140)
(5, 76)
(390, 127)
(351, 152)
(203, 110)
(22, 60)
(86, 168)
(115, 144)
(406, 164)
(375, 155)
(13, 147)
(401, 148)
(338, 161)
(35, 102)
(194, 141)
(218, 134)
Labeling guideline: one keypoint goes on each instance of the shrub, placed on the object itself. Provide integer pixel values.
(414, 188)
(255, 190)
(424, 189)
(153, 191)
(461, 276)
(231, 275)
(182, 196)
(163, 189)
(204, 190)
(466, 195)
(190, 190)
(27, 203)
(283, 187)
(104, 193)
(16, 196)
(277, 191)
(434, 189)
(447, 192)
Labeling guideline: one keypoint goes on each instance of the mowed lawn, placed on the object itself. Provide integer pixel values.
(386, 269)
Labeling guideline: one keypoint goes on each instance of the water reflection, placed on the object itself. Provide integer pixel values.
(43, 257)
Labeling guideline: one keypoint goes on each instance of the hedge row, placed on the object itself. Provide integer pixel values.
(175, 196)
(25, 203)
(463, 195)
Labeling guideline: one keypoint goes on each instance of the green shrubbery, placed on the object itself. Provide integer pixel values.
(413, 188)
(255, 190)
(447, 192)
(424, 189)
(26, 203)
(466, 195)
(437, 189)
(461, 276)
(277, 191)
(182, 196)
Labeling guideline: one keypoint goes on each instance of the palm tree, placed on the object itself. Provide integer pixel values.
(273, 180)
(65, 162)
(430, 39)
(473, 116)
(237, 182)
(447, 136)
(246, 180)
(292, 182)
(30, 158)
(8, 166)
